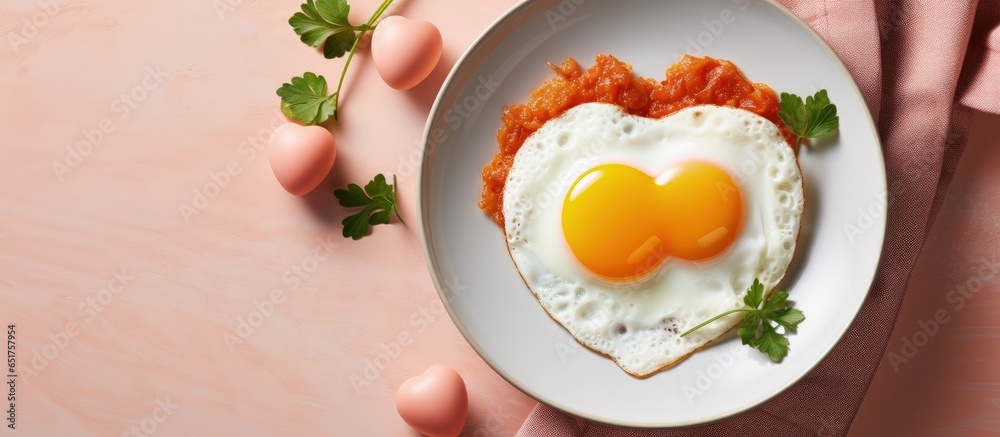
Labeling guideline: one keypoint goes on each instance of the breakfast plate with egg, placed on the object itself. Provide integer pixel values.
(607, 190)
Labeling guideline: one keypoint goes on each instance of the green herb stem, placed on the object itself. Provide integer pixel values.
(705, 323)
(370, 25)
(395, 195)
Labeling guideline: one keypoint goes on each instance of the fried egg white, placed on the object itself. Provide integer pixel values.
(563, 256)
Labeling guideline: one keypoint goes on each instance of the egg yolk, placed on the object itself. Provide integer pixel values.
(621, 223)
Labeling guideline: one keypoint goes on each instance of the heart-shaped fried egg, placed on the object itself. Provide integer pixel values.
(630, 230)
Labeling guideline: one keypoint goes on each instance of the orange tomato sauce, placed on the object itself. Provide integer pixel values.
(689, 82)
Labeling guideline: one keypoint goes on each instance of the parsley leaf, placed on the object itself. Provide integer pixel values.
(757, 330)
(789, 318)
(378, 200)
(305, 99)
(771, 343)
(755, 294)
(815, 117)
(325, 22)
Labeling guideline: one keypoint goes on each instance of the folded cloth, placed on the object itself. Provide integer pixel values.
(923, 65)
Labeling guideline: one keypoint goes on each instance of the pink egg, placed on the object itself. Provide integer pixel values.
(405, 51)
(301, 156)
(435, 402)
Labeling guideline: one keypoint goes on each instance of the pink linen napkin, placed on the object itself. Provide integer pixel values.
(923, 65)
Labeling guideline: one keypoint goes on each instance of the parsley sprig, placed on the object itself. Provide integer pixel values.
(324, 23)
(759, 329)
(812, 118)
(305, 99)
(379, 201)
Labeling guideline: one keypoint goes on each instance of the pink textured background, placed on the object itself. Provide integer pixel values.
(325, 357)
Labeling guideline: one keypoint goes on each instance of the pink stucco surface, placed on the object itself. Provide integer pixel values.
(161, 280)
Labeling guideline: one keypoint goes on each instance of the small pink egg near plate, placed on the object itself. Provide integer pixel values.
(434, 403)
(301, 156)
(405, 51)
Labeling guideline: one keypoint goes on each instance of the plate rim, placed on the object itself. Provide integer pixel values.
(422, 185)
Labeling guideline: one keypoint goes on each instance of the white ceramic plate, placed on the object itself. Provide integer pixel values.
(838, 251)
